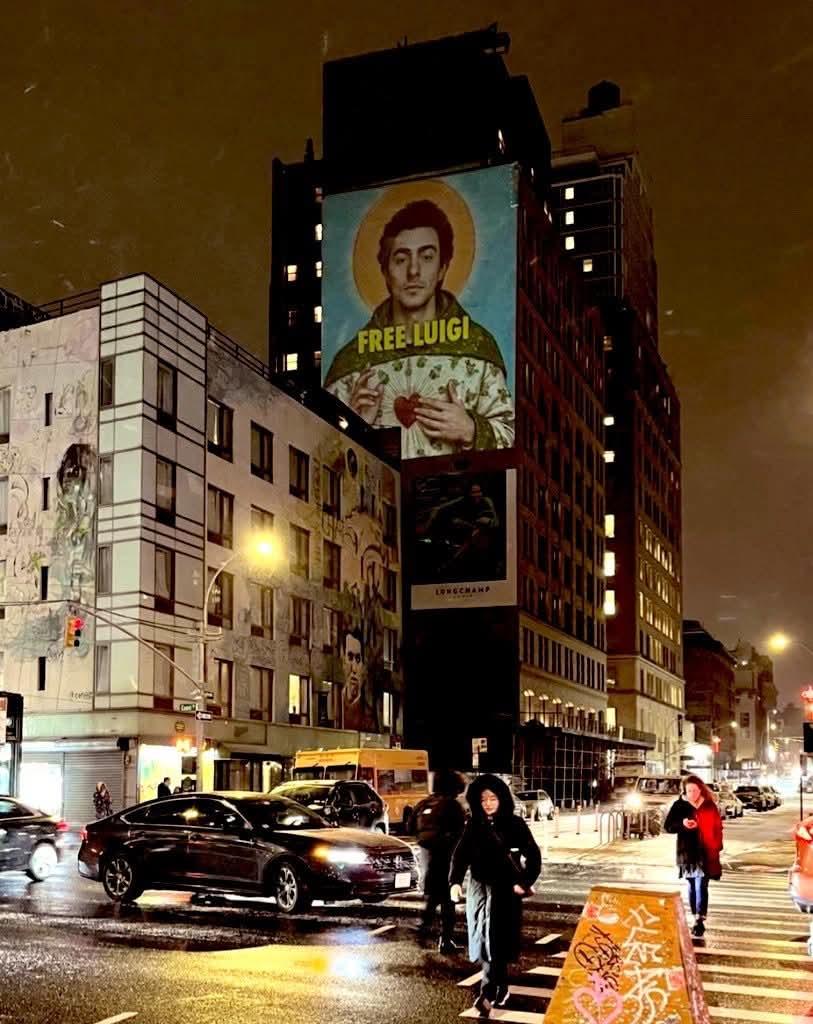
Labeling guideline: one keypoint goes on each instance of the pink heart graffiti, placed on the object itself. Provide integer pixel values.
(600, 996)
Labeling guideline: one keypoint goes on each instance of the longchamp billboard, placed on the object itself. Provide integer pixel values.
(419, 308)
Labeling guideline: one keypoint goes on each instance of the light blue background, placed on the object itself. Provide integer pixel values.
(489, 296)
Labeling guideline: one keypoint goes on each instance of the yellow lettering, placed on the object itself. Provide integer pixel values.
(454, 329)
(417, 340)
(430, 332)
(400, 336)
(375, 339)
(466, 323)
(362, 341)
(389, 338)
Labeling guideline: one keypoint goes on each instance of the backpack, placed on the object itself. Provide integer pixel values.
(431, 821)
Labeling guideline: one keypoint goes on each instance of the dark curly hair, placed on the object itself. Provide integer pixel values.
(422, 213)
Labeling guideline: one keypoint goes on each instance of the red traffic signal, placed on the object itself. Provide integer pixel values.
(73, 631)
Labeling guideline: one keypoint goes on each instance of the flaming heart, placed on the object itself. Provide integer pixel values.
(404, 408)
(599, 995)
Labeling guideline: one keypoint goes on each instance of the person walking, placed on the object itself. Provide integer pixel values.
(439, 821)
(163, 789)
(500, 853)
(695, 819)
(102, 803)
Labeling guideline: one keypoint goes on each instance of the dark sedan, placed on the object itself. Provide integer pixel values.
(250, 843)
(29, 839)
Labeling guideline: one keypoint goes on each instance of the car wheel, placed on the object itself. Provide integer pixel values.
(289, 890)
(120, 879)
(42, 862)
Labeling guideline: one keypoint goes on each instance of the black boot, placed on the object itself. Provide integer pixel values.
(482, 1004)
(501, 995)
(448, 946)
(699, 928)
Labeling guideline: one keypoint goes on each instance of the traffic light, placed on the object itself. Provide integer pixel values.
(73, 631)
(808, 737)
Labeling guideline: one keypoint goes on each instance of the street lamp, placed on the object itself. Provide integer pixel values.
(259, 551)
(779, 642)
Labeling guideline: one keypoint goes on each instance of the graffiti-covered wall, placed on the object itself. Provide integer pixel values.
(48, 469)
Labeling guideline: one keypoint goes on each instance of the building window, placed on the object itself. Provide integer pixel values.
(570, 242)
(332, 629)
(331, 492)
(317, 314)
(261, 603)
(332, 565)
(587, 266)
(609, 602)
(164, 579)
(390, 647)
(609, 525)
(261, 521)
(107, 382)
(262, 453)
(102, 680)
(163, 672)
(104, 569)
(105, 480)
(390, 590)
(260, 693)
(609, 421)
(43, 583)
(293, 316)
(165, 492)
(49, 408)
(298, 692)
(570, 217)
(317, 232)
(300, 551)
(5, 415)
(3, 505)
(609, 564)
(318, 268)
(42, 662)
(609, 456)
(390, 524)
(500, 140)
(386, 710)
(220, 516)
(299, 471)
(291, 361)
(290, 272)
(222, 688)
(300, 621)
(219, 421)
(46, 493)
(327, 703)
(221, 600)
(570, 192)
(167, 394)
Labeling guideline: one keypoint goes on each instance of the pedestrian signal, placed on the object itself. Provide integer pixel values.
(73, 631)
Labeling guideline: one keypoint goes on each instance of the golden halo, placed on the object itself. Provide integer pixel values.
(366, 271)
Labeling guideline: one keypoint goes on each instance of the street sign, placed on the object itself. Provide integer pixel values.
(203, 716)
(180, 727)
(191, 708)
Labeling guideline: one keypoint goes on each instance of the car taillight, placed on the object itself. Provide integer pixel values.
(802, 832)
(62, 826)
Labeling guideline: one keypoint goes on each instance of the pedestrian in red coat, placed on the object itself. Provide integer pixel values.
(696, 821)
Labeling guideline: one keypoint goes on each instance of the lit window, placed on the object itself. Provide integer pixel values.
(318, 268)
(317, 357)
(570, 242)
(317, 314)
(587, 266)
(609, 563)
(609, 456)
(500, 140)
(570, 192)
(609, 525)
(608, 342)
(317, 232)
(291, 360)
(609, 421)
(290, 272)
(570, 217)
(609, 603)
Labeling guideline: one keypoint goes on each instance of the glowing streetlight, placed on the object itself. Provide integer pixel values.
(779, 642)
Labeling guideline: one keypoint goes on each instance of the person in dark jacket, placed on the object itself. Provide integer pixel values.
(163, 790)
(102, 802)
(504, 862)
(439, 821)
(695, 819)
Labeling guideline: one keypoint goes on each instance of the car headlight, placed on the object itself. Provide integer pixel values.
(633, 802)
(342, 855)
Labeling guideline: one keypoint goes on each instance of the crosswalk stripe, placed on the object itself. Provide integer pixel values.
(511, 1016)
(774, 929)
(778, 973)
(471, 980)
(757, 990)
(749, 940)
(751, 954)
(548, 938)
(741, 1014)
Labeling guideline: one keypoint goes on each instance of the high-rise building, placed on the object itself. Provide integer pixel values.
(605, 223)
(756, 708)
(143, 454)
(710, 693)
(505, 662)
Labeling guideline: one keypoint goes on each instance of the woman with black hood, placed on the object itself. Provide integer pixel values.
(498, 849)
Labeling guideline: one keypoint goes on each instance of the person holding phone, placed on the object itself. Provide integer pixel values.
(695, 819)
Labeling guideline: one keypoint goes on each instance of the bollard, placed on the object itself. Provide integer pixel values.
(595, 827)
(555, 822)
(578, 819)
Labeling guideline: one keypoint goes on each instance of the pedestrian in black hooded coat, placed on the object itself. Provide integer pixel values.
(498, 849)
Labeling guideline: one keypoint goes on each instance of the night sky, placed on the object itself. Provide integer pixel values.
(139, 136)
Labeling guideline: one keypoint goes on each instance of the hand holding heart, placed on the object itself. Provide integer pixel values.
(445, 419)
(365, 398)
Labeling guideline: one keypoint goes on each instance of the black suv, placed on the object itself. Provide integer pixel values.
(342, 802)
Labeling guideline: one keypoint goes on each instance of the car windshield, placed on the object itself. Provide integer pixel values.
(669, 787)
(303, 793)
(276, 812)
(747, 789)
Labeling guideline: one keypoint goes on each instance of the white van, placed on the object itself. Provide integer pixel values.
(653, 791)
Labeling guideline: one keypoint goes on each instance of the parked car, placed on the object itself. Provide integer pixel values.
(653, 791)
(342, 802)
(729, 805)
(256, 844)
(777, 796)
(29, 840)
(752, 797)
(535, 803)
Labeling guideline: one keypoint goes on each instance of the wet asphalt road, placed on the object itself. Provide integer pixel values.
(69, 955)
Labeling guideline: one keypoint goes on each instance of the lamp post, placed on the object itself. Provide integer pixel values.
(779, 642)
(262, 549)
